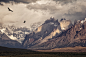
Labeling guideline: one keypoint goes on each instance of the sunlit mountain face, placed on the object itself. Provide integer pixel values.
(32, 23)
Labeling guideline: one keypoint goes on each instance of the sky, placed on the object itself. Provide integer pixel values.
(33, 11)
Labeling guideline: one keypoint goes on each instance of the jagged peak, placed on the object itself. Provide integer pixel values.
(80, 21)
(62, 19)
(52, 19)
(65, 24)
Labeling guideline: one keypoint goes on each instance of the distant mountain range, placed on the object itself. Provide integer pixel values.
(11, 36)
(51, 34)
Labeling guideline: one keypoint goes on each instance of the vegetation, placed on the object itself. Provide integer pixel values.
(41, 54)
(15, 52)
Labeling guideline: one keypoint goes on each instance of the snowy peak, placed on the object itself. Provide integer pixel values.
(15, 33)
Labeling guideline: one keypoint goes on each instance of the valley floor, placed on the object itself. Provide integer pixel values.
(57, 52)
(66, 49)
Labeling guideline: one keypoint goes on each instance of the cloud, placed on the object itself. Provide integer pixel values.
(72, 11)
(1, 4)
(29, 1)
(19, 14)
(65, 1)
(39, 11)
(18, 1)
(45, 5)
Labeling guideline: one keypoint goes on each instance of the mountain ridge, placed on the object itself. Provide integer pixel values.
(68, 38)
(48, 37)
(51, 34)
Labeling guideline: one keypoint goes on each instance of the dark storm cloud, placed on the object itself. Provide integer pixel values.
(1, 4)
(65, 1)
(18, 1)
(6, 1)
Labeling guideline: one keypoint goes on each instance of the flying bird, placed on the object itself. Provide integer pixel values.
(10, 9)
(24, 21)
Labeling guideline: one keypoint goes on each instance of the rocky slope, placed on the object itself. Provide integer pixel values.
(49, 30)
(74, 36)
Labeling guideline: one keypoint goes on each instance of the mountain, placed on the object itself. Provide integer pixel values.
(51, 34)
(11, 36)
(46, 32)
(54, 34)
(7, 42)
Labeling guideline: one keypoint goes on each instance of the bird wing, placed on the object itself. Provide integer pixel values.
(10, 9)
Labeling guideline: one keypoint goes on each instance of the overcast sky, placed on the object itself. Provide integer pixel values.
(39, 10)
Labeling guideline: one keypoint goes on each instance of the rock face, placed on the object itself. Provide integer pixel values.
(74, 36)
(47, 31)
(49, 36)
(65, 24)
(42, 33)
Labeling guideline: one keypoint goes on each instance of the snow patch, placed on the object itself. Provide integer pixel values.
(82, 21)
(2, 30)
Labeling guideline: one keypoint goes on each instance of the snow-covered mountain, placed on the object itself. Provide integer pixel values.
(15, 33)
